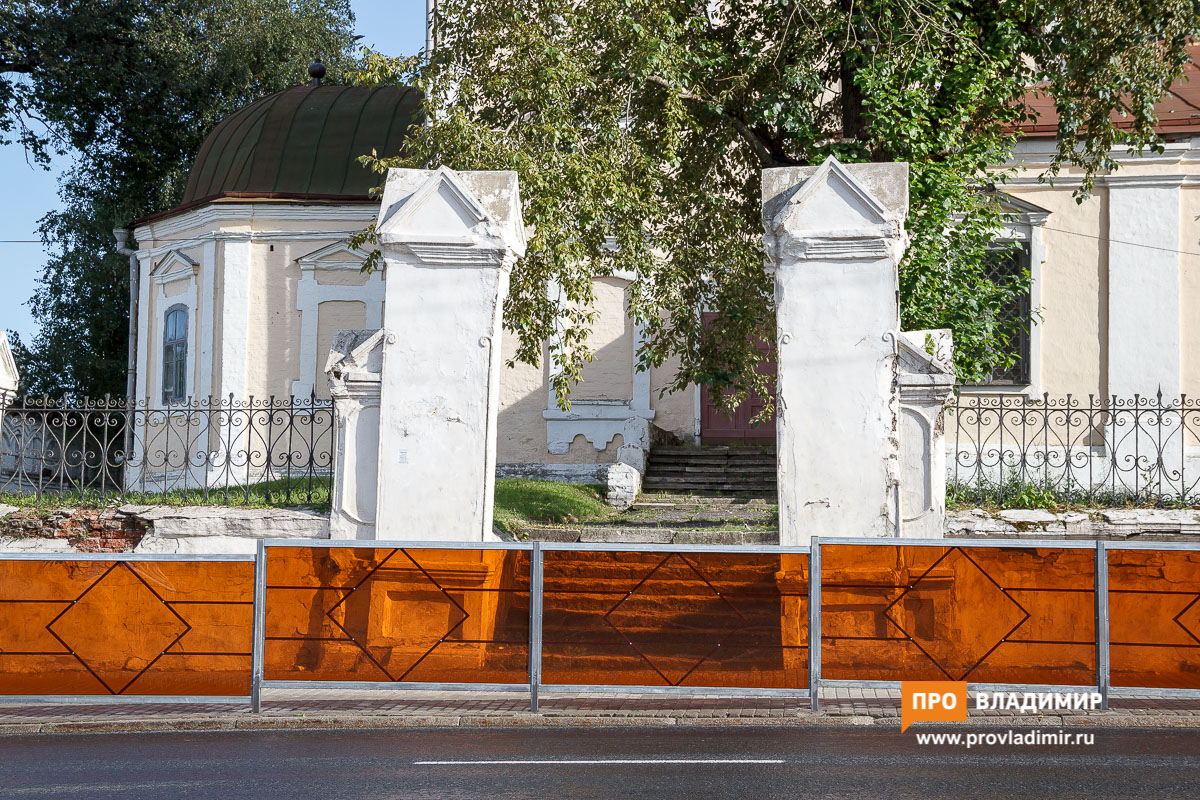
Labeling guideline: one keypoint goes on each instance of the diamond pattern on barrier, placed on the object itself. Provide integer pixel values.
(118, 601)
(1189, 619)
(674, 619)
(412, 646)
(926, 611)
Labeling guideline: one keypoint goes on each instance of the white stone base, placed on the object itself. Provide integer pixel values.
(34, 544)
(624, 483)
(225, 530)
(1147, 523)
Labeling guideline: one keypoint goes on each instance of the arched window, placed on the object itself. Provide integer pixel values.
(174, 374)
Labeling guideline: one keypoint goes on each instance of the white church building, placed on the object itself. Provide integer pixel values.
(242, 287)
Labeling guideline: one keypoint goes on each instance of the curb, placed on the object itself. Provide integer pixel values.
(246, 722)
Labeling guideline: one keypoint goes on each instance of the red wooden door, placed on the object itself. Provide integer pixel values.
(716, 428)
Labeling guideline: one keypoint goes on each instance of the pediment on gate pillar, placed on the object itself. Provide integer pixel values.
(834, 199)
(446, 217)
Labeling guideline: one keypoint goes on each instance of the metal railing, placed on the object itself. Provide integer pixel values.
(126, 627)
(1116, 618)
(218, 450)
(1096, 450)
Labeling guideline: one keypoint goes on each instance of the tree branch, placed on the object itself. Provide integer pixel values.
(768, 155)
(754, 140)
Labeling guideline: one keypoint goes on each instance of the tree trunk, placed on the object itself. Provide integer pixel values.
(852, 100)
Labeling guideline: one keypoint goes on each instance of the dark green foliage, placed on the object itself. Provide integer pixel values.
(131, 89)
(645, 123)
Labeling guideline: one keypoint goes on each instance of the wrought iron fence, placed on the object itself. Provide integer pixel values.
(220, 450)
(1110, 450)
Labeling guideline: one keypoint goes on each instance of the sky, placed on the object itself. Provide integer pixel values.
(394, 27)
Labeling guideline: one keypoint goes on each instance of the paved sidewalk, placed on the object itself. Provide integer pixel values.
(407, 708)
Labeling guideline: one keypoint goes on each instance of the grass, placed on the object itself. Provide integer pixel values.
(522, 504)
(1017, 494)
(305, 493)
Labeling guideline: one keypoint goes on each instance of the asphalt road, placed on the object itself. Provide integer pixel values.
(569, 763)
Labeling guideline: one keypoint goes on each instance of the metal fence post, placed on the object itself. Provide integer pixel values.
(260, 618)
(814, 625)
(535, 624)
(1102, 638)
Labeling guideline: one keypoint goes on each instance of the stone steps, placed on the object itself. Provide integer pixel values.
(746, 470)
(714, 469)
(724, 538)
(713, 450)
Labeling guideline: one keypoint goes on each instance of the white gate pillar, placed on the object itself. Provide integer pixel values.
(354, 367)
(834, 238)
(449, 240)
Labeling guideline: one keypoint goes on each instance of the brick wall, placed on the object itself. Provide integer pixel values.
(89, 530)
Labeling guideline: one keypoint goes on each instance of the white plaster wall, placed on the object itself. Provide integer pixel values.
(674, 412)
(234, 311)
(609, 376)
(1143, 287)
(1146, 208)
(1189, 291)
(247, 253)
(434, 415)
(834, 417)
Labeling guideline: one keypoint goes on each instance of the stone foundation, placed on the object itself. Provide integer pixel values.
(83, 530)
(153, 529)
(1102, 523)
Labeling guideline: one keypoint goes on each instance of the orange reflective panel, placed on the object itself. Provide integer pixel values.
(1154, 618)
(675, 619)
(983, 614)
(391, 614)
(126, 627)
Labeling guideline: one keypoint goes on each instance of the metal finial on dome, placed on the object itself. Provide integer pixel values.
(316, 71)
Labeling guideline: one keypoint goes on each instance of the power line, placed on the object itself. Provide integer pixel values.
(1118, 241)
(1044, 227)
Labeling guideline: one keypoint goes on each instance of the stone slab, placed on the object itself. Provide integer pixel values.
(1109, 524)
(1019, 516)
(153, 543)
(626, 535)
(254, 523)
(9, 544)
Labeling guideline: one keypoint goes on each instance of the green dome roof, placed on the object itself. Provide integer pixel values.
(302, 143)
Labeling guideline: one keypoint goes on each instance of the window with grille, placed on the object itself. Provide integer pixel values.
(174, 376)
(1005, 264)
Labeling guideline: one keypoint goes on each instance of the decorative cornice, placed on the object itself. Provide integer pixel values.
(216, 214)
(837, 248)
(1042, 151)
(241, 237)
(448, 254)
(829, 248)
(1173, 180)
(1142, 181)
(609, 411)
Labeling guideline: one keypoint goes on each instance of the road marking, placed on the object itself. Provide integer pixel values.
(608, 761)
